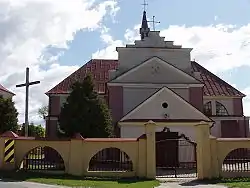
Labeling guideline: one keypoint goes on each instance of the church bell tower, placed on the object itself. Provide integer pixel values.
(144, 30)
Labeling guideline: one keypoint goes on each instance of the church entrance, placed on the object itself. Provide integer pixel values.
(175, 155)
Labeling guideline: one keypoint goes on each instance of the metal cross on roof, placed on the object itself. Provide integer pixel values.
(154, 22)
(144, 5)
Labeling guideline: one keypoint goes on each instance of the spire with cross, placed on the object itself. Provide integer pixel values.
(154, 22)
(144, 30)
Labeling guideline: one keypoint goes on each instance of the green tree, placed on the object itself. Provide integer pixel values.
(85, 113)
(43, 112)
(34, 130)
(8, 115)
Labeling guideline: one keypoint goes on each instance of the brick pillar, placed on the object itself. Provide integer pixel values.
(52, 119)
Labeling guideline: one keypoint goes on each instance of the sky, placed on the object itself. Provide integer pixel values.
(55, 38)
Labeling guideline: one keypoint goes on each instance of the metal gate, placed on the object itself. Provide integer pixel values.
(43, 159)
(175, 155)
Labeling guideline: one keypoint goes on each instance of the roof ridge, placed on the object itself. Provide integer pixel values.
(68, 76)
(6, 90)
(158, 91)
(150, 58)
(76, 72)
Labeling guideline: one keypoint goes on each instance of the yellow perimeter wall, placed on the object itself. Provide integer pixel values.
(212, 151)
(77, 153)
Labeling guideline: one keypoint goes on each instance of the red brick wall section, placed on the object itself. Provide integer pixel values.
(55, 105)
(247, 127)
(51, 130)
(196, 97)
(230, 129)
(47, 128)
(116, 102)
(237, 107)
(244, 128)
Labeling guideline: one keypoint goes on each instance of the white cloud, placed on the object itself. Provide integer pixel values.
(218, 47)
(28, 27)
(110, 51)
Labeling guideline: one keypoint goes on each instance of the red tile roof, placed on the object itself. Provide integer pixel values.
(97, 67)
(9, 134)
(214, 86)
(5, 90)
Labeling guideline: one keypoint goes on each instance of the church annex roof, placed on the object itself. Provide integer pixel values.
(5, 90)
(99, 68)
(214, 86)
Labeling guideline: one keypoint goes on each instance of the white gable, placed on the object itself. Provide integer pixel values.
(155, 70)
(177, 108)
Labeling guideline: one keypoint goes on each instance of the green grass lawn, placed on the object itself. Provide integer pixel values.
(73, 181)
(233, 182)
(238, 185)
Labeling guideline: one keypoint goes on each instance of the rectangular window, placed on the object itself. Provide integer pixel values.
(106, 75)
(102, 75)
(102, 65)
(97, 77)
(101, 88)
(88, 70)
(93, 66)
(63, 99)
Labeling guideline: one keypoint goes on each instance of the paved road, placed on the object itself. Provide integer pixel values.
(179, 185)
(9, 184)
(187, 184)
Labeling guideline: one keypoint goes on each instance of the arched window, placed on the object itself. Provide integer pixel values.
(207, 109)
(221, 109)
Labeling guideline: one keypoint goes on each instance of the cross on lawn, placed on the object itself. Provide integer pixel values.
(154, 22)
(27, 84)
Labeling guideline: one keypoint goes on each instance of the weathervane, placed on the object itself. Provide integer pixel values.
(154, 22)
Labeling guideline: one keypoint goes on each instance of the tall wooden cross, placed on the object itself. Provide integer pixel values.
(26, 85)
(154, 22)
(144, 5)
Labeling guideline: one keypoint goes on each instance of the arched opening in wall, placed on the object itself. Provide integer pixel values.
(111, 159)
(237, 161)
(175, 155)
(221, 109)
(207, 109)
(43, 159)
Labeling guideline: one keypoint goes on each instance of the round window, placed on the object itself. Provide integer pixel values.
(164, 105)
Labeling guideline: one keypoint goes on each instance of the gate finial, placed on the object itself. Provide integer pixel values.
(165, 129)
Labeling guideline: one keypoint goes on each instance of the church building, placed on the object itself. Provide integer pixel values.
(5, 93)
(154, 79)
